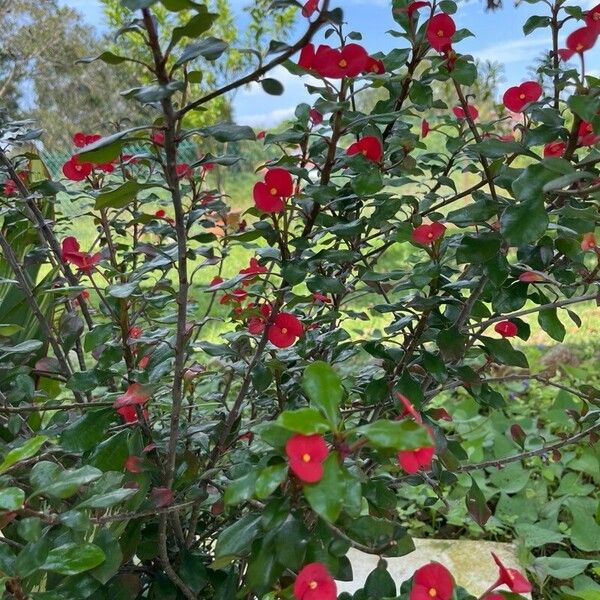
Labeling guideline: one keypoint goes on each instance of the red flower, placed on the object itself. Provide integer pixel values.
(268, 195)
(428, 234)
(321, 298)
(424, 129)
(586, 135)
(518, 96)
(83, 260)
(459, 112)
(238, 295)
(315, 583)
(133, 464)
(565, 54)
(284, 330)
(315, 116)
(582, 39)
(374, 65)
(440, 30)
(410, 9)
(432, 582)
(162, 496)
(409, 409)
(261, 135)
(369, 146)
(306, 454)
(135, 394)
(79, 139)
(129, 413)
(183, 170)
(257, 324)
(76, 171)
(531, 277)
(588, 242)
(592, 17)
(310, 8)
(216, 280)
(135, 331)
(253, 269)
(158, 137)
(506, 329)
(10, 187)
(512, 578)
(419, 458)
(350, 61)
(144, 362)
(556, 149)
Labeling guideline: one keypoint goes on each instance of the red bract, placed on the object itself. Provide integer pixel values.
(411, 8)
(158, 137)
(350, 61)
(582, 39)
(315, 116)
(586, 135)
(135, 394)
(254, 268)
(261, 135)
(413, 460)
(588, 242)
(317, 297)
(506, 329)
(183, 170)
(10, 187)
(75, 170)
(310, 8)
(82, 139)
(315, 583)
(257, 323)
(144, 362)
(518, 96)
(129, 413)
(428, 233)
(432, 582)
(133, 464)
(307, 57)
(565, 54)
(375, 65)
(306, 454)
(512, 578)
(459, 112)
(237, 295)
(83, 260)
(440, 30)
(556, 149)
(284, 331)
(161, 496)
(135, 331)
(409, 409)
(424, 129)
(269, 195)
(369, 146)
(592, 18)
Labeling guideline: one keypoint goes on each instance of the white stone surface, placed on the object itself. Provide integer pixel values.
(469, 561)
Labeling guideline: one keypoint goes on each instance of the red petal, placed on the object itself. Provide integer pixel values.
(582, 39)
(408, 461)
(281, 180)
(307, 57)
(265, 201)
(289, 322)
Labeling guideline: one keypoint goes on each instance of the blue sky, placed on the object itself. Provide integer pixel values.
(498, 37)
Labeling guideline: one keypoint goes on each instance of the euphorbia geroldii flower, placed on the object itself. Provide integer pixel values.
(459, 112)
(424, 129)
(375, 65)
(411, 8)
(315, 116)
(588, 242)
(135, 394)
(409, 408)
(432, 582)
(183, 170)
(253, 269)
(269, 195)
(83, 260)
(284, 331)
(517, 97)
(440, 30)
(349, 61)
(506, 329)
(582, 39)
(306, 454)
(75, 170)
(257, 324)
(428, 233)
(10, 187)
(315, 583)
(133, 464)
(556, 149)
(419, 458)
(586, 135)
(237, 295)
(83, 139)
(310, 8)
(592, 18)
(512, 578)
(307, 57)
(135, 331)
(158, 137)
(129, 413)
(369, 146)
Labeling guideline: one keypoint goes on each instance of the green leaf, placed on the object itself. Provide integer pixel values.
(111, 454)
(379, 583)
(209, 48)
(369, 183)
(27, 347)
(585, 107)
(240, 489)
(551, 324)
(303, 420)
(72, 559)
(478, 249)
(229, 132)
(196, 26)
(27, 450)
(269, 479)
(272, 86)
(107, 542)
(122, 196)
(324, 388)
(106, 57)
(11, 498)
(121, 290)
(535, 536)
(464, 71)
(535, 22)
(49, 479)
(107, 148)
(529, 185)
(236, 539)
(108, 499)
(326, 497)
(476, 505)
(399, 435)
(137, 4)
(561, 567)
(451, 343)
(524, 223)
(502, 351)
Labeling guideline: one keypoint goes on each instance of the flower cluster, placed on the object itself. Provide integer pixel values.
(583, 39)
(349, 61)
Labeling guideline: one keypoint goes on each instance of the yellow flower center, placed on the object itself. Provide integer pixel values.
(432, 592)
(313, 585)
(306, 457)
(273, 191)
(343, 63)
(440, 33)
(522, 96)
(364, 152)
(430, 235)
(284, 330)
(579, 47)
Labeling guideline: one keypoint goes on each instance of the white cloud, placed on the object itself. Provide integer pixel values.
(268, 119)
